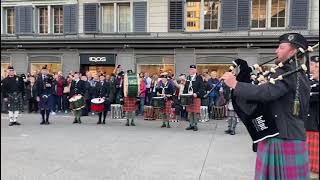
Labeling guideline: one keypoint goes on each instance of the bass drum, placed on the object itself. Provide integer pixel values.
(131, 85)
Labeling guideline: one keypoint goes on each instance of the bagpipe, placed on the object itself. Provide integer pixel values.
(255, 116)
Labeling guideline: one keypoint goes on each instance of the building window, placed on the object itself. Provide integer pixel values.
(10, 20)
(193, 9)
(124, 18)
(58, 19)
(108, 18)
(268, 13)
(43, 20)
(259, 13)
(202, 15)
(211, 9)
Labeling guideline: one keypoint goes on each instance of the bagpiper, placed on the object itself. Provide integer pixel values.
(45, 96)
(13, 91)
(194, 86)
(166, 90)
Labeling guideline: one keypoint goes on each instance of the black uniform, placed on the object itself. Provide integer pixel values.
(312, 124)
(13, 89)
(45, 87)
(103, 91)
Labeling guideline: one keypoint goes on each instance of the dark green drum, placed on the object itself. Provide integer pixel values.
(131, 85)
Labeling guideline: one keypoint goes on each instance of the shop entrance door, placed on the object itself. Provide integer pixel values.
(94, 69)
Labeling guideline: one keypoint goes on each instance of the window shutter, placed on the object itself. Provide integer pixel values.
(229, 20)
(24, 19)
(140, 16)
(91, 18)
(176, 15)
(70, 19)
(299, 14)
(243, 14)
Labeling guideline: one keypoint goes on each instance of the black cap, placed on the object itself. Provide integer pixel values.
(163, 76)
(121, 73)
(314, 59)
(10, 67)
(193, 66)
(129, 71)
(44, 67)
(294, 38)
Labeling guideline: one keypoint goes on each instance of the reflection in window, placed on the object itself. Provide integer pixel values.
(211, 9)
(43, 20)
(58, 19)
(10, 21)
(278, 13)
(259, 12)
(124, 18)
(108, 18)
(193, 15)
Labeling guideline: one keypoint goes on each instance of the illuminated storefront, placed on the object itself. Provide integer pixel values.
(155, 64)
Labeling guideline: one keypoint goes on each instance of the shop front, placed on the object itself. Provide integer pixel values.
(5, 62)
(209, 63)
(97, 63)
(155, 64)
(53, 62)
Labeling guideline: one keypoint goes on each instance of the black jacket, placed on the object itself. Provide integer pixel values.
(33, 90)
(312, 124)
(77, 88)
(197, 86)
(103, 90)
(278, 100)
(12, 84)
(41, 85)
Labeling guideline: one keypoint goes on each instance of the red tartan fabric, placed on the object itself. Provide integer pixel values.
(195, 107)
(313, 150)
(129, 104)
(167, 107)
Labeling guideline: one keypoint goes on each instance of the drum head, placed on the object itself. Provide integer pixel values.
(97, 100)
(185, 94)
(157, 97)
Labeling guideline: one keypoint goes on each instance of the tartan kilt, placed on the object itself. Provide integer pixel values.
(313, 150)
(46, 103)
(282, 159)
(167, 107)
(195, 107)
(129, 104)
(15, 102)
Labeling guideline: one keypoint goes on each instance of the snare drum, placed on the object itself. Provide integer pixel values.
(204, 115)
(148, 113)
(219, 112)
(76, 102)
(158, 102)
(186, 99)
(97, 105)
(116, 111)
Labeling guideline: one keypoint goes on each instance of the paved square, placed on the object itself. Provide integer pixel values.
(87, 151)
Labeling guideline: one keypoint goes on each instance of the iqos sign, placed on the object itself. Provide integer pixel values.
(93, 59)
(97, 59)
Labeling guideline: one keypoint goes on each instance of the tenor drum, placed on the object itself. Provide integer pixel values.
(77, 102)
(204, 115)
(131, 85)
(97, 105)
(186, 99)
(148, 113)
(158, 102)
(116, 111)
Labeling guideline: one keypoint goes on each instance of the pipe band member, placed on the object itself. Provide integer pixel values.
(13, 91)
(284, 156)
(194, 86)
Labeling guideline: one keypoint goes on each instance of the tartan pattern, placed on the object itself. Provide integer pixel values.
(313, 150)
(167, 107)
(148, 113)
(129, 104)
(15, 102)
(279, 159)
(195, 107)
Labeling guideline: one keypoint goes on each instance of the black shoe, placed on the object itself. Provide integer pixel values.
(127, 124)
(103, 122)
(163, 125)
(11, 123)
(227, 131)
(190, 128)
(195, 128)
(75, 121)
(99, 122)
(17, 123)
(42, 122)
(132, 124)
(47, 122)
(232, 133)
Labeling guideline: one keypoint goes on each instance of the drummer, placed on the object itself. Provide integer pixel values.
(166, 90)
(194, 86)
(129, 104)
(78, 87)
(103, 91)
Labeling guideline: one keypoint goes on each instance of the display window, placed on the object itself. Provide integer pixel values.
(53, 68)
